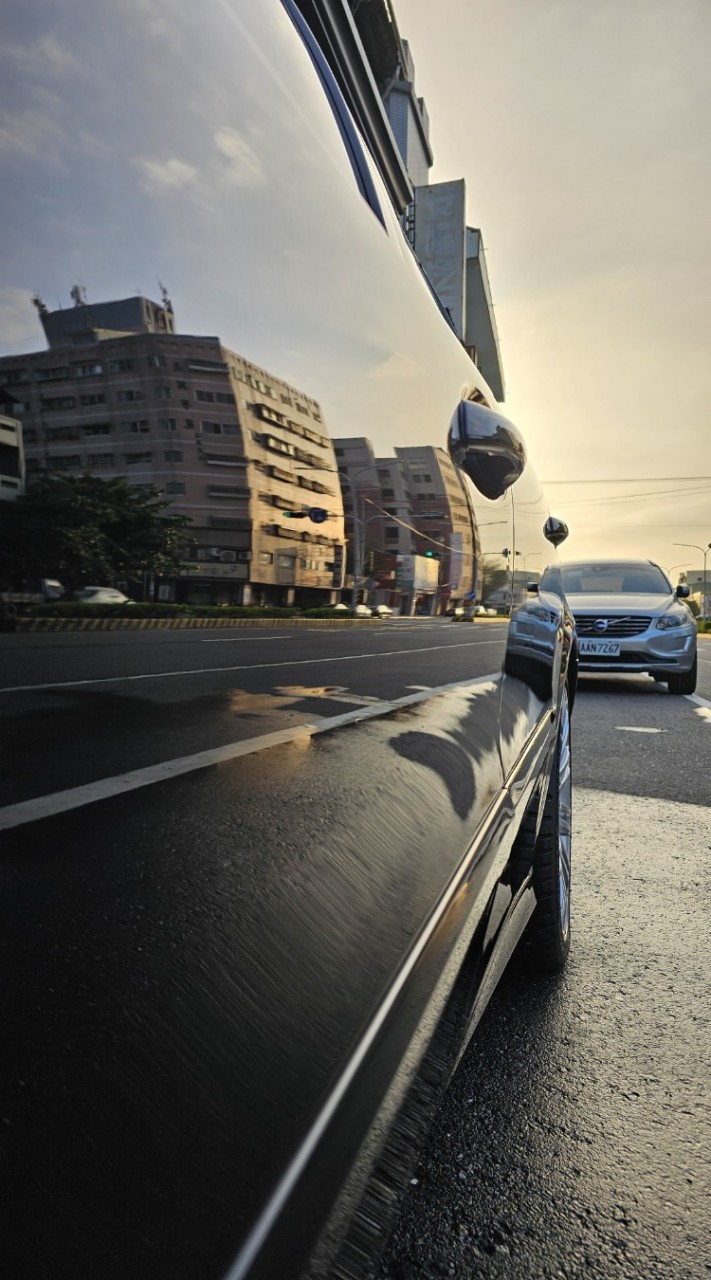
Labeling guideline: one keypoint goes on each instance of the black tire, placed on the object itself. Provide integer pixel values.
(546, 941)
(685, 683)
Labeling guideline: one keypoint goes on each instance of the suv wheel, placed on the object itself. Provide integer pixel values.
(685, 683)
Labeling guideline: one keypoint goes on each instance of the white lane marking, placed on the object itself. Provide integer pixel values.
(237, 639)
(700, 702)
(17, 815)
(246, 666)
(632, 728)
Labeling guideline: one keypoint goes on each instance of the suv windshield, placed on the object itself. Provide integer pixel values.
(613, 579)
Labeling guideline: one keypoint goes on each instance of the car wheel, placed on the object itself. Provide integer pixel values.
(546, 942)
(685, 683)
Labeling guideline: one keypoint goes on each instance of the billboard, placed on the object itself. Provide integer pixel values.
(418, 573)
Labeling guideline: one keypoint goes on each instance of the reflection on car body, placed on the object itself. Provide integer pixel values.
(327, 978)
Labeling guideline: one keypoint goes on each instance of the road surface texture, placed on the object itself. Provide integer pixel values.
(575, 1140)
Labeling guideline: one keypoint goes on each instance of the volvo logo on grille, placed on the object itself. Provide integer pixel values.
(600, 624)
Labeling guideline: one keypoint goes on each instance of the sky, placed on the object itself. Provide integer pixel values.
(583, 132)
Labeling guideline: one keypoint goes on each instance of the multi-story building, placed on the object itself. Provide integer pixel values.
(12, 458)
(233, 447)
(443, 518)
(413, 504)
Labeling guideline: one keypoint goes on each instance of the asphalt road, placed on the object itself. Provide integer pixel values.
(575, 1139)
(572, 1141)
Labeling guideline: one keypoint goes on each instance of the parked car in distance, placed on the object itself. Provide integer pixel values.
(629, 618)
(102, 595)
(363, 611)
(381, 611)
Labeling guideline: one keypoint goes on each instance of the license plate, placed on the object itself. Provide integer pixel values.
(602, 648)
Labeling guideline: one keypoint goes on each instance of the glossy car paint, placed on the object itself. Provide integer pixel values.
(196, 144)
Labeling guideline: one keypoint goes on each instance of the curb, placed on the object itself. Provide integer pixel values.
(171, 624)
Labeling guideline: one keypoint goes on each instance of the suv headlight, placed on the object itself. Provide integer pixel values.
(669, 621)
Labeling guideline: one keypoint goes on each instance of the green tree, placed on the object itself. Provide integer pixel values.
(85, 529)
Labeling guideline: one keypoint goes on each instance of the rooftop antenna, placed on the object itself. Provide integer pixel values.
(164, 297)
(77, 293)
(39, 304)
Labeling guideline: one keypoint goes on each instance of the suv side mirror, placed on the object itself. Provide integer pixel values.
(487, 447)
(683, 590)
(555, 530)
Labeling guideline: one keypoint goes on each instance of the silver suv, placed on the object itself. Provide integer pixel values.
(629, 618)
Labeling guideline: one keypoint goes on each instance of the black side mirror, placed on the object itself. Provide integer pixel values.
(555, 530)
(532, 587)
(683, 591)
(487, 447)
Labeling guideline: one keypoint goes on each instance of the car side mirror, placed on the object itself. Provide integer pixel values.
(683, 590)
(487, 447)
(555, 530)
(532, 587)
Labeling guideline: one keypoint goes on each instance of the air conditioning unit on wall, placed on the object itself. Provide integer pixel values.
(228, 557)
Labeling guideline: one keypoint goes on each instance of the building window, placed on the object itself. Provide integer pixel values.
(120, 366)
(58, 402)
(96, 429)
(219, 428)
(182, 386)
(285, 562)
(157, 362)
(94, 399)
(139, 427)
(175, 486)
(62, 433)
(227, 491)
(125, 397)
(168, 424)
(136, 459)
(189, 424)
(55, 374)
(207, 397)
(173, 455)
(99, 461)
(388, 493)
(64, 462)
(87, 370)
(391, 531)
(266, 557)
(163, 393)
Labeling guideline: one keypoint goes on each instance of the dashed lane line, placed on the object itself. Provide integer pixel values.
(245, 666)
(17, 815)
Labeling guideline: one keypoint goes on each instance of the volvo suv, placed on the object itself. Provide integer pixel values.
(629, 618)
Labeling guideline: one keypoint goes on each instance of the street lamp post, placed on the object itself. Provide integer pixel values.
(704, 551)
(357, 523)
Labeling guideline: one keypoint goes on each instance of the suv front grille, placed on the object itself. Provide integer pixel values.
(616, 626)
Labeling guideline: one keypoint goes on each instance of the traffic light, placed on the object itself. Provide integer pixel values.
(433, 555)
(295, 515)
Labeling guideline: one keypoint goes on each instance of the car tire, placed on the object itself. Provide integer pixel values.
(546, 942)
(683, 684)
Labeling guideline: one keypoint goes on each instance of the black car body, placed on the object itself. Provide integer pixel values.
(294, 1008)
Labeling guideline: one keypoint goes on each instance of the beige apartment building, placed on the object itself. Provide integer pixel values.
(411, 504)
(235, 448)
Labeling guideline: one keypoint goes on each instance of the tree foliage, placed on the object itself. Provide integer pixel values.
(85, 529)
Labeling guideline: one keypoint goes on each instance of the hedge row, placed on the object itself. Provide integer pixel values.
(81, 609)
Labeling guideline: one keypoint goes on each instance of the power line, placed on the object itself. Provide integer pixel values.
(633, 480)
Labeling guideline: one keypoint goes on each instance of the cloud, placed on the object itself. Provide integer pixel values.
(244, 167)
(167, 175)
(44, 56)
(18, 321)
(34, 133)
